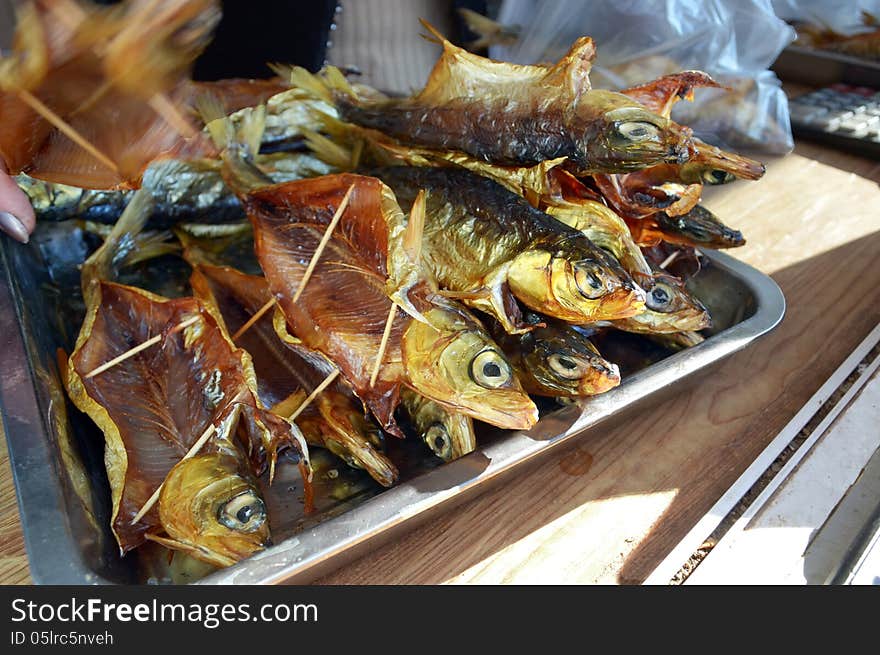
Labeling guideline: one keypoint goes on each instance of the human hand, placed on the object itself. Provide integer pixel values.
(16, 214)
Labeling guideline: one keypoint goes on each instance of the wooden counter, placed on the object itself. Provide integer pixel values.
(610, 507)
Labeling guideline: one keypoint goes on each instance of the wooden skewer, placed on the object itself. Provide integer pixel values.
(670, 259)
(323, 243)
(134, 351)
(196, 447)
(66, 128)
(172, 115)
(253, 319)
(314, 394)
(384, 344)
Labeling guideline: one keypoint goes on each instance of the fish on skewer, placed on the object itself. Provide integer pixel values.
(182, 191)
(288, 373)
(489, 248)
(180, 414)
(90, 97)
(444, 355)
(515, 115)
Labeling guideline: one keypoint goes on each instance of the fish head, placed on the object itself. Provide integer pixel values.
(701, 227)
(449, 435)
(670, 307)
(453, 361)
(211, 505)
(708, 164)
(624, 136)
(354, 438)
(559, 361)
(573, 285)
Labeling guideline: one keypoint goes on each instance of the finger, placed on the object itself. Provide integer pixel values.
(16, 214)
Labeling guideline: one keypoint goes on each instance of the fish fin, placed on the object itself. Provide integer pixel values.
(572, 72)
(661, 94)
(290, 404)
(216, 558)
(415, 227)
(119, 248)
(330, 151)
(213, 114)
(434, 35)
(499, 303)
(478, 23)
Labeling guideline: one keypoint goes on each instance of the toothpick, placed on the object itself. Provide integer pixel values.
(323, 243)
(134, 351)
(196, 447)
(385, 335)
(68, 12)
(670, 259)
(66, 128)
(171, 114)
(253, 319)
(314, 394)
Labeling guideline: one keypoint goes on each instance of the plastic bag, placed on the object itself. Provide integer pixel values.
(735, 41)
(844, 16)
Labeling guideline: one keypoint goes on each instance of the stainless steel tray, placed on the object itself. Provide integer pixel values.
(62, 489)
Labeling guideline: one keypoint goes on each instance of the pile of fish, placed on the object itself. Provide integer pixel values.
(425, 262)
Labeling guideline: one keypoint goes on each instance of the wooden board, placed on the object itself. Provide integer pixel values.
(609, 508)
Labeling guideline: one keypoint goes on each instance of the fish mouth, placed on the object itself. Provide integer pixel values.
(602, 378)
(731, 238)
(626, 300)
(510, 410)
(740, 167)
(353, 445)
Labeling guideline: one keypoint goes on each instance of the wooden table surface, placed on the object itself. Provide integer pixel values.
(610, 507)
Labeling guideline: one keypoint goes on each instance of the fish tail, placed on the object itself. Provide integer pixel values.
(239, 142)
(328, 85)
(434, 35)
(122, 245)
(490, 32)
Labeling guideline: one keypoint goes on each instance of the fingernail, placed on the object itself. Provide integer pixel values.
(13, 227)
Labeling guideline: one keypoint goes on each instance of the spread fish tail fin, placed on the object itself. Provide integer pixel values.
(239, 143)
(121, 247)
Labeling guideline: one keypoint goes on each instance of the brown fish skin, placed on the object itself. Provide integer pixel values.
(335, 420)
(481, 238)
(511, 134)
(154, 405)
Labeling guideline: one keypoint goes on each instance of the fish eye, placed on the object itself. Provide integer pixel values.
(567, 367)
(659, 298)
(490, 370)
(589, 280)
(243, 513)
(717, 176)
(437, 438)
(638, 131)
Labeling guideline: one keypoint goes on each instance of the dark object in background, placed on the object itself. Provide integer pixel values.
(251, 34)
(297, 32)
